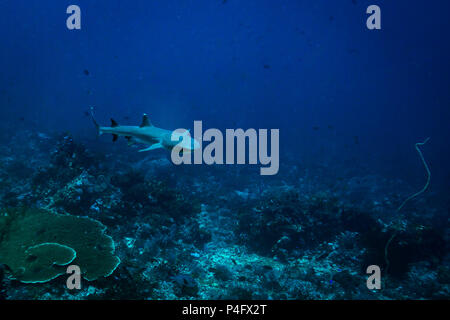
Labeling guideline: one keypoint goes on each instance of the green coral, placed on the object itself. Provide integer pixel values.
(37, 245)
(40, 263)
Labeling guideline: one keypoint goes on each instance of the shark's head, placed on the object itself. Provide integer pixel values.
(195, 144)
(184, 140)
(188, 143)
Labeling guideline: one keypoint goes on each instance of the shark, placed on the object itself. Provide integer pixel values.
(146, 133)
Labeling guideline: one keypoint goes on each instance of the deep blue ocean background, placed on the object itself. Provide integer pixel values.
(342, 96)
(181, 61)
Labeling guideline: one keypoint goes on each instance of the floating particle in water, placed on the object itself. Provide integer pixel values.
(86, 72)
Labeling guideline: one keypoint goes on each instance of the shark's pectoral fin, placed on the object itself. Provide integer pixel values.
(115, 137)
(130, 140)
(152, 147)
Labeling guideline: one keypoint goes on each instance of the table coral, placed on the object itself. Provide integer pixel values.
(36, 245)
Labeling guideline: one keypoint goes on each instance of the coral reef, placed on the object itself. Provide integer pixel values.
(35, 244)
(209, 232)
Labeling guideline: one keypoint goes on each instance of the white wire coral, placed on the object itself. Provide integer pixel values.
(428, 175)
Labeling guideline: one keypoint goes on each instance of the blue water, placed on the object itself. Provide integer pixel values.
(342, 96)
(204, 60)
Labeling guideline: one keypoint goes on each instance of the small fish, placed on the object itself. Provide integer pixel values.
(86, 72)
(43, 136)
(356, 139)
(330, 127)
(316, 128)
(331, 18)
(266, 66)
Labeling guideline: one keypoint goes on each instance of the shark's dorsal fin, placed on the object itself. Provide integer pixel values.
(145, 121)
(114, 123)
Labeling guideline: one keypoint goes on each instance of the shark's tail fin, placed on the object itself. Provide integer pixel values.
(99, 132)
